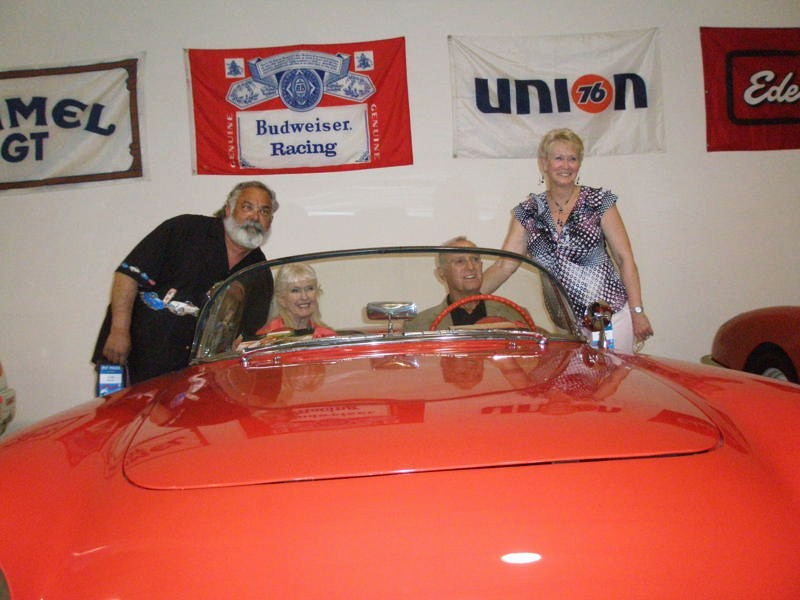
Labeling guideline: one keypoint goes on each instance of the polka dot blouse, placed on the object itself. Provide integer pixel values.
(577, 256)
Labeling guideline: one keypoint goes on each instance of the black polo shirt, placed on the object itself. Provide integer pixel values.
(461, 316)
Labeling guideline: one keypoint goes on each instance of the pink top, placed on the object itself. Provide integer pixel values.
(277, 324)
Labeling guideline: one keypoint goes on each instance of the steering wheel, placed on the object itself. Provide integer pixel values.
(474, 298)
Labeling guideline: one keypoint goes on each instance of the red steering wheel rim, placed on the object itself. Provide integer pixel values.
(476, 297)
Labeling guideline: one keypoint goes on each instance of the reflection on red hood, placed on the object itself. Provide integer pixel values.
(228, 424)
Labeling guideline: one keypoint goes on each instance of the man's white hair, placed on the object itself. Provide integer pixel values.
(451, 243)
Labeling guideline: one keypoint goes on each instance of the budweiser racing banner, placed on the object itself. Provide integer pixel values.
(509, 91)
(300, 109)
(70, 124)
(752, 85)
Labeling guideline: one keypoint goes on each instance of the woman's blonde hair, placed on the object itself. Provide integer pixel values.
(287, 276)
(560, 135)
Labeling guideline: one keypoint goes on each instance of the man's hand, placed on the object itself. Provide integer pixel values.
(118, 346)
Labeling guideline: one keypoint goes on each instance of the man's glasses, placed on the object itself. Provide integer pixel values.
(264, 211)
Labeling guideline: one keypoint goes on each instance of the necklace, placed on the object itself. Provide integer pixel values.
(559, 220)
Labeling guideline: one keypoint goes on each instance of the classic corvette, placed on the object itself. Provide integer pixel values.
(765, 341)
(377, 457)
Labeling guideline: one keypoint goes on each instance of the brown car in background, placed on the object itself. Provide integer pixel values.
(765, 341)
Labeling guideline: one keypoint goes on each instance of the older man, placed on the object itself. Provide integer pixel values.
(462, 275)
(161, 285)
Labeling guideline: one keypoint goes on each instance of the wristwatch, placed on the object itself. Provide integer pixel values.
(637, 309)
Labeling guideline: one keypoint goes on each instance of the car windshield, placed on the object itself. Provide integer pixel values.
(354, 296)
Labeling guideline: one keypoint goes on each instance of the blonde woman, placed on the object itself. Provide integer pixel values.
(296, 301)
(575, 231)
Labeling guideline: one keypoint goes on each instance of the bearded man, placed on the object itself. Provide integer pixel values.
(162, 284)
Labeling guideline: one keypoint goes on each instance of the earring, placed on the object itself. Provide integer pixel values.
(578, 180)
(541, 179)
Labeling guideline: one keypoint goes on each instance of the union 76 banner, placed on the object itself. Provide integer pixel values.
(752, 85)
(300, 109)
(509, 91)
(70, 124)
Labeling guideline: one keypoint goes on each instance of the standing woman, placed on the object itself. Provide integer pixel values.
(575, 231)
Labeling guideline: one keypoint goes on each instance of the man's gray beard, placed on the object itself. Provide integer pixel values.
(248, 235)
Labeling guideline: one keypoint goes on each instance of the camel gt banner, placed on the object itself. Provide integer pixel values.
(71, 124)
(752, 88)
(300, 109)
(509, 91)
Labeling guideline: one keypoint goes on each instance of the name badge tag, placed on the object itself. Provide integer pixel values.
(111, 378)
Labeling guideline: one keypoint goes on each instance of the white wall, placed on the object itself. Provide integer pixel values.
(713, 233)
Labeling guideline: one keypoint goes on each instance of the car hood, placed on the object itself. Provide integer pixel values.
(308, 417)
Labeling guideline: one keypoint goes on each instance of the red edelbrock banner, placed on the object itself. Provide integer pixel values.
(300, 109)
(752, 88)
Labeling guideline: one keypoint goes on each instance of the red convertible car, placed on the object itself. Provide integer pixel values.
(764, 341)
(375, 455)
